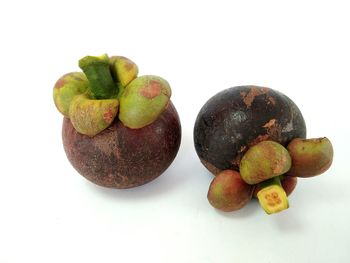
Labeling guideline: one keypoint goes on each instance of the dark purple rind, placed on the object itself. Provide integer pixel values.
(237, 118)
(120, 157)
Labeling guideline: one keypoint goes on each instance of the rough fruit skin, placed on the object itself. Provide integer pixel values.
(310, 157)
(237, 118)
(120, 157)
(263, 161)
(228, 192)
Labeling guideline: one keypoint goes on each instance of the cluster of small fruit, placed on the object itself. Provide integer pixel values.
(268, 171)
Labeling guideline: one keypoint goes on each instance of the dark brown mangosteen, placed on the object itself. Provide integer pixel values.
(237, 118)
(121, 157)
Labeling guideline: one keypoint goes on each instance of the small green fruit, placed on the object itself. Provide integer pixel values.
(310, 157)
(228, 192)
(123, 69)
(263, 161)
(90, 116)
(143, 100)
(66, 88)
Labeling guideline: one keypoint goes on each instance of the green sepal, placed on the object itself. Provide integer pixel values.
(123, 70)
(90, 116)
(66, 88)
(143, 100)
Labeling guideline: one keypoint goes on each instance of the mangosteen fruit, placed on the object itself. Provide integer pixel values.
(119, 130)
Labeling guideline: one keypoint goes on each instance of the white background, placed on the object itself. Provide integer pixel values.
(49, 213)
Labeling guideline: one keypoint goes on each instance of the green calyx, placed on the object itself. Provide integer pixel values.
(263, 161)
(97, 71)
(90, 116)
(143, 100)
(91, 99)
(66, 88)
(123, 69)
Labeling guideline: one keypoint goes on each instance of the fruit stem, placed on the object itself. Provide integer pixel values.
(97, 71)
(271, 196)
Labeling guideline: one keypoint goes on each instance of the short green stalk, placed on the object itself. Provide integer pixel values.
(271, 196)
(97, 71)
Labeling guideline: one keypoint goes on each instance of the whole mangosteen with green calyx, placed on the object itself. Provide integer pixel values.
(119, 130)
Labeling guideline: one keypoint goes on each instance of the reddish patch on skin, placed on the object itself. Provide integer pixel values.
(108, 116)
(152, 90)
(63, 80)
(60, 83)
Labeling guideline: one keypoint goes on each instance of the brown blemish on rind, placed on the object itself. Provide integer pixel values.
(152, 90)
(272, 100)
(108, 116)
(278, 165)
(273, 128)
(61, 82)
(253, 92)
(270, 123)
(260, 138)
